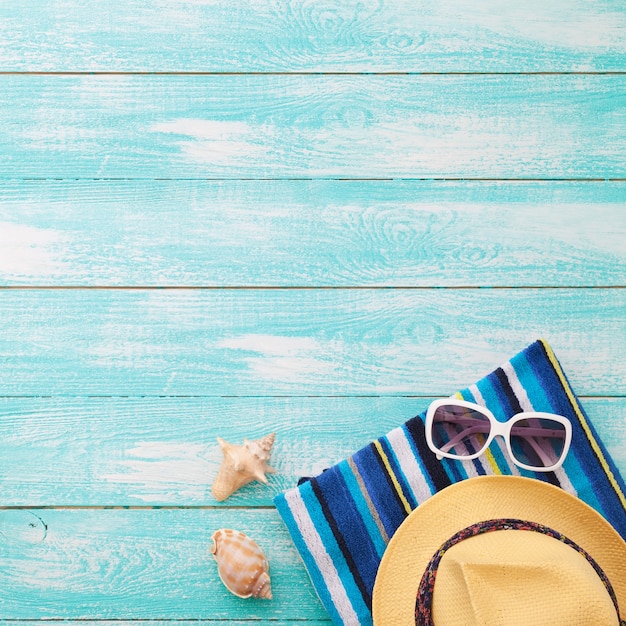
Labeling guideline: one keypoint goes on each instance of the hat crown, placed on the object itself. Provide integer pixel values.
(517, 577)
(505, 508)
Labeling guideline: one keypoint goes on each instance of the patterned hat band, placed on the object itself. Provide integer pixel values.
(424, 599)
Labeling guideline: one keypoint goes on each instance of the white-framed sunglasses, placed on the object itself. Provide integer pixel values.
(456, 429)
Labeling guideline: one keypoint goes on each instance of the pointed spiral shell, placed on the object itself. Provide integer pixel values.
(242, 464)
(241, 564)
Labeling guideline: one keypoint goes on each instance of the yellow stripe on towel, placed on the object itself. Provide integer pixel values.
(396, 484)
(583, 422)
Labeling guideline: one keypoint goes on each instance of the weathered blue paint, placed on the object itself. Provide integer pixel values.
(243, 126)
(312, 233)
(130, 564)
(325, 361)
(299, 342)
(292, 36)
(163, 451)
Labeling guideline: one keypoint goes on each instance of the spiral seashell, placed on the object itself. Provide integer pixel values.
(242, 464)
(241, 564)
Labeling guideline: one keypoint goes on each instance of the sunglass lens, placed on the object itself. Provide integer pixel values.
(538, 442)
(459, 430)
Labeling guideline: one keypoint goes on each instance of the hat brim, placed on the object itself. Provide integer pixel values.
(474, 500)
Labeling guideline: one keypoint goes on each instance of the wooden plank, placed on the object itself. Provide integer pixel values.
(290, 35)
(143, 564)
(174, 622)
(299, 342)
(163, 451)
(531, 126)
(310, 233)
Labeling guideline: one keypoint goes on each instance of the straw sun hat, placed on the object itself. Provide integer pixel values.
(550, 560)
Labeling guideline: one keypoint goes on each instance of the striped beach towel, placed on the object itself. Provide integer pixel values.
(342, 520)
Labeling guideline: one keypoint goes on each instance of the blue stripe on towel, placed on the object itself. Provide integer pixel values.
(603, 479)
(316, 575)
(349, 530)
(362, 507)
(383, 495)
(316, 511)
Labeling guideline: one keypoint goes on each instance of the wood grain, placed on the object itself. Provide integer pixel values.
(531, 126)
(163, 451)
(299, 342)
(145, 564)
(177, 622)
(311, 233)
(179, 260)
(299, 35)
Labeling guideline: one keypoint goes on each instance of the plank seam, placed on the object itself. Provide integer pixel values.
(257, 397)
(302, 287)
(307, 73)
(430, 179)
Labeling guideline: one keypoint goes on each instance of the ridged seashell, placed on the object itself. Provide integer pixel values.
(241, 564)
(242, 464)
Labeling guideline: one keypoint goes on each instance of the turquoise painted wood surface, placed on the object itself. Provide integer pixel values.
(163, 451)
(312, 233)
(322, 36)
(318, 126)
(143, 564)
(222, 342)
(181, 258)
